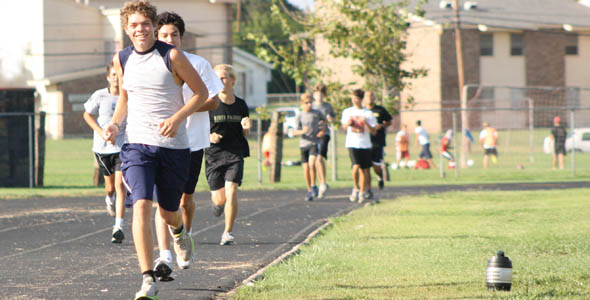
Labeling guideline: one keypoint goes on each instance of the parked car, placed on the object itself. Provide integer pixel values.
(581, 136)
(289, 124)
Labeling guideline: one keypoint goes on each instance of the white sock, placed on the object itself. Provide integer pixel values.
(166, 254)
(119, 222)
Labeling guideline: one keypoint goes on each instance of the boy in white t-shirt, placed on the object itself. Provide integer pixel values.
(359, 124)
(424, 142)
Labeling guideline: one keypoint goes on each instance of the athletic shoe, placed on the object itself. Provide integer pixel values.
(354, 197)
(184, 248)
(163, 269)
(149, 289)
(218, 209)
(381, 184)
(309, 196)
(110, 205)
(322, 191)
(117, 236)
(226, 239)
(368, 195)
(314, 190)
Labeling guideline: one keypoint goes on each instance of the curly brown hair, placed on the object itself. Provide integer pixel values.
(142, 7)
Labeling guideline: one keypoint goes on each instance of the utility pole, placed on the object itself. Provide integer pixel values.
(461, 76)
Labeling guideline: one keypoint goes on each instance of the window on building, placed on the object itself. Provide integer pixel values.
(486, 44)
(571, 44)
(516, 44)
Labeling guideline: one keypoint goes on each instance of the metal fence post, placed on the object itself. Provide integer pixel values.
(31, 152)
(573, 126)
(455, 142)
(531, 130)
(259, 142)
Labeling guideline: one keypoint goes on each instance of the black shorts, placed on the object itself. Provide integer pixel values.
(307, 152)
(425, 153)
(491, 151)
(377, 155)
(361, 157)
(194, 171)
(323, 146)
(560, 149)
(108, 163)
(219, 174)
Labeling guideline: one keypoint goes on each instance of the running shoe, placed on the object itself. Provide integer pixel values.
(309, 196)
(226, 239)
(110, 205)
(163, 269)
(368, 195)
(218, 209)
(354, 197)
(322, 191)
(381, 184)
(314, 190)
(184, 248)
(149, 289)
(117, 236)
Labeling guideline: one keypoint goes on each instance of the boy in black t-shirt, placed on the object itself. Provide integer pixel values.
(224, 159)
(378, 139)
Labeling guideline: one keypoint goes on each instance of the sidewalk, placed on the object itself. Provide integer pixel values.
(60, 248)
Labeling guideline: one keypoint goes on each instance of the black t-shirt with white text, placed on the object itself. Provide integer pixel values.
(382, 116)
(226, 121)
(559, 134)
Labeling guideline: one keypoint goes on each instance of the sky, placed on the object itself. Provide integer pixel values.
(302, 3)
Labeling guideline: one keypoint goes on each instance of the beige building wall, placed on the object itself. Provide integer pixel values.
(337, 69)
(502, 68)
(423, 51)
(577, 66)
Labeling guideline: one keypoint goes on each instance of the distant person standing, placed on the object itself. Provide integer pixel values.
(224, 159)
(378, 139)
(99, 110)
(488, 137)
(359, 124)
(311, 126)
(402, 146)
(319, 94)
(445, 144)
(423, 140)
(558, 135)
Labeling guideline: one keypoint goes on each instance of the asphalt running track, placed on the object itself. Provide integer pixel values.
(59, 248)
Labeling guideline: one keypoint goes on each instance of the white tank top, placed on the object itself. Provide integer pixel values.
(153, 96)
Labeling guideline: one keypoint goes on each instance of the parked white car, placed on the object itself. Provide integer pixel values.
(581, 136)
(289, 124)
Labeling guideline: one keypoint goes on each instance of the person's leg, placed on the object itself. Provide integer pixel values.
(555, 160)
(320, 169)
(485, 161)
(306, 175)
(109, 185)
(187, 204)
(142, 234)
(365, 182)
(312, 171)
(121, 192)
(355, 176)
(231, 205)
(561, 161)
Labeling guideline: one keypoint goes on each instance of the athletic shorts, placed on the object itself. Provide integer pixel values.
(218, 175)
(307, 152)
(108, 163)
(377, 154)
(491, 151)
(323, 146)
(144, 166)
(560, 149)
(448, 155)
(194, 171)
(361, 157)
(425, 153)
(403, 154)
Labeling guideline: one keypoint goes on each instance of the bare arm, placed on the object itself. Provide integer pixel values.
(185, 71)
(210, 104)
(91, 121)
(111, 131)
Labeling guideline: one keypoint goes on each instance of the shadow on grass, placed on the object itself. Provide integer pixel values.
(356, 287)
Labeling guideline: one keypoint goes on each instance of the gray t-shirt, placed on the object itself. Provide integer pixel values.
(102, 106)
(313, 120)
(326, 109)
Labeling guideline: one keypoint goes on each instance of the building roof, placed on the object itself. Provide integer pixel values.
(514, 14)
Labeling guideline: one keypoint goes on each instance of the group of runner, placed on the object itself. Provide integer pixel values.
(163, 111)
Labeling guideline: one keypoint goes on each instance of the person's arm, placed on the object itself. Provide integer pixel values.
(91, 121)
(372, 129)
(246, 125)
(111, 131)
(210, 104)
(185, 71)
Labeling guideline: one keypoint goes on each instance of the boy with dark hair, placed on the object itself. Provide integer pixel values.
(359, 124)
(102, 105)
(170, 29)
(558, 135)
(311, 127)
(320, 103)
(424, 141)
(378, 139)
(151, 74)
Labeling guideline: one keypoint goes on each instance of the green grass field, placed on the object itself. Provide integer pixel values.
(69, 167)
(437, 247)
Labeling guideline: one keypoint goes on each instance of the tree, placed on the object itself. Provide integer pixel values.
(371, 32)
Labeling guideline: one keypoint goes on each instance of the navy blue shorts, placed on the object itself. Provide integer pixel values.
(194, 171)
(425, 153)
(144, 166)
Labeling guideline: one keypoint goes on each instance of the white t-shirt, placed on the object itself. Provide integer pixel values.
(102, 106)
(358, 140)
(422, 135)
(197, 124)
